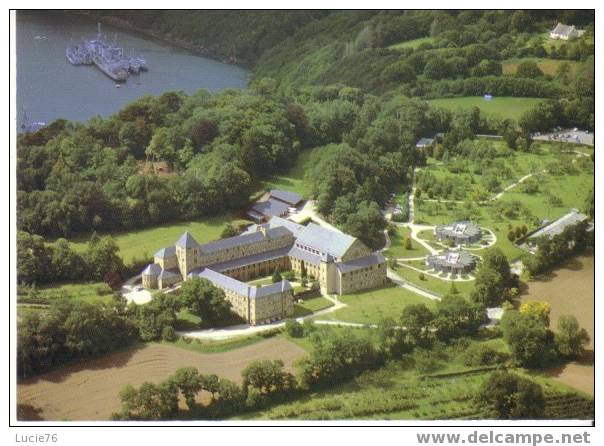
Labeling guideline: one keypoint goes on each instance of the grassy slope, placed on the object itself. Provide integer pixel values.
(86, 292)
(411, 43)
(398, 392)
(369, 307)
(309, 306)
(145, 242)
(504, 107)
(548, 66)
(397, 249)
(571, 189)
(437, 285)
(295, 180)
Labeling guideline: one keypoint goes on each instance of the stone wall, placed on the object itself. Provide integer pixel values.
(362, 279)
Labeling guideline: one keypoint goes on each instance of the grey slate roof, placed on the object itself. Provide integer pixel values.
(186, 241)
(164, 253)
(271, 207)
(306, 256)
(563, 30)
(248, 260)
(268, 290)
(153, 269)
(276, 222)
(424, 142)
(165, 274)
(255, 215)
(244, 239)
(224, 281)
(556, 227)
(362, 262)
(287, 197)
(243, 288)
(325, 240)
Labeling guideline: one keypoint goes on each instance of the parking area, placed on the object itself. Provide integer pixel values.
(574, 136)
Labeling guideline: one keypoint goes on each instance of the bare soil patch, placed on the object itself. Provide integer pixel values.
(89, 390)
(569, 290)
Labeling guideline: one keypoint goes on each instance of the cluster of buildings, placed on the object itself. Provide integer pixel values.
(279, 203)
(459, 232)
(338, 262)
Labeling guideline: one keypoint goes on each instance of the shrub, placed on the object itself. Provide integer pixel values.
(422, 276)
(480, 354)
(168, 334)
(294, 328)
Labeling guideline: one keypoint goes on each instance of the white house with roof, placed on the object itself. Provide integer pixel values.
(340, 263)
(565, 32)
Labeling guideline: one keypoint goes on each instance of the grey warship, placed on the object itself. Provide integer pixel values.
(108, 58)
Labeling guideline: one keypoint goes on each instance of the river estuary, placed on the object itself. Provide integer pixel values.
(48, 87)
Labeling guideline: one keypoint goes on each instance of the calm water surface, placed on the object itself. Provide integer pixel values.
(48, 87)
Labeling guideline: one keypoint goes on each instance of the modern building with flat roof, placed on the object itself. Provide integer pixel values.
(455, 262)
(460, 232)
(340, 263)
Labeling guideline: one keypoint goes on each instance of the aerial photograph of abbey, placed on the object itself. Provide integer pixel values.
(310, 215)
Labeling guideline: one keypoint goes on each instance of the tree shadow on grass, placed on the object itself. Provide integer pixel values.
(110, 360)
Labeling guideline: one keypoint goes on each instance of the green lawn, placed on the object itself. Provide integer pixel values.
(262, 281)
(503, 107)
(146, 242)
(571, 189)
(369, 307)
(439, 286)
(311, 305)
(411, 43)
(397, 248)
(548, 66)
(86, 292)
(295, 179)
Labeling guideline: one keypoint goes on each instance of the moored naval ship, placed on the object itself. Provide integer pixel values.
(110, 59)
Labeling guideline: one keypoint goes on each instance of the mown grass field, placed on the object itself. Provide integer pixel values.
(397, 248)
(548, 66)
(439, 286)
(411, 43)
(369, 307)
(146, 242)
(312, 305)
(503, 107)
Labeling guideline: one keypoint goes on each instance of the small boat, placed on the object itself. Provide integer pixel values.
(118, 86)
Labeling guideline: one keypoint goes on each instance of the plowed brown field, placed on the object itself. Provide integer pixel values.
(89, 390)
(570, 290)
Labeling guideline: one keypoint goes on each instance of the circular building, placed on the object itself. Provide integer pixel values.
(460, 232)
(455, 262)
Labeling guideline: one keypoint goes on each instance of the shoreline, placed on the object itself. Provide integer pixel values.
(196, 49)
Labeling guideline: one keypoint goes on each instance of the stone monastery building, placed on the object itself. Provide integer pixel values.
(341, 264)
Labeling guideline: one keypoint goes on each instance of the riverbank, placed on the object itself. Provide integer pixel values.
(197, 49)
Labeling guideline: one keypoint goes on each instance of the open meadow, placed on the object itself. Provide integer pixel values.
(502, 107)
(146, 242)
